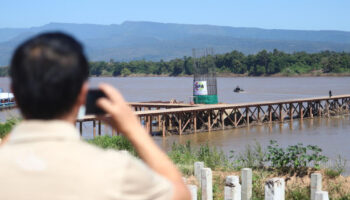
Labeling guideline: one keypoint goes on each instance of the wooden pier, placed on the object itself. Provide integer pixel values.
(166, 119)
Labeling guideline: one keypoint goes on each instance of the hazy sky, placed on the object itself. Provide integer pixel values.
(282, 14)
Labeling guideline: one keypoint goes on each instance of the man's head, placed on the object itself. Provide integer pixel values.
(48, 72)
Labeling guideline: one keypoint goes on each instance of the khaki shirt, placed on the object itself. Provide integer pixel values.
(47, 160)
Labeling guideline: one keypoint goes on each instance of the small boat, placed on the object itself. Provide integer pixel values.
(6, 99)
(238, 89)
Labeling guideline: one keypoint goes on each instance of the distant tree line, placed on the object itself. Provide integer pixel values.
(262, 63)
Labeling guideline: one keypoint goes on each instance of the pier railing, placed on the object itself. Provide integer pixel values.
(185, 118)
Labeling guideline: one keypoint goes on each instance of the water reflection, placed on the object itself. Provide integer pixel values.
(331, 134)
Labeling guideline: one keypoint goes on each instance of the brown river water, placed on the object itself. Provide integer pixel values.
(331, 134)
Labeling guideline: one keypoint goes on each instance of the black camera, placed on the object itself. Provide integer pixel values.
(91, 107)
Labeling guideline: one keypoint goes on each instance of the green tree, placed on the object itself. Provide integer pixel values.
(188, 65)
(178, 67)
(125, 72)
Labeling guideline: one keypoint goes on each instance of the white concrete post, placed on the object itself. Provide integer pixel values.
(198, 166)
(193, 191)
(246, 175)
(207, 184)
(232, 188)
(316, 184)
(321, 195)
(274, 189)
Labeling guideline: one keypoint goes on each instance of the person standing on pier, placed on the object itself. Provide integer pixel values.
(330, 93)
(44, 157)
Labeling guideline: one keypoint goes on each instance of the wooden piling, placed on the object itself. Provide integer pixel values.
(149, 124)
(281, 112)
(247, 115)
(159, 124)
(180, 123)
(319, 109)
(311, 115)
(327, 107)
(163, 127)
(170, 122)
(209, 124)
(81, 128)
(195, 121)
(99, 127)
(94, 128)
(222, 119)
(235, 118)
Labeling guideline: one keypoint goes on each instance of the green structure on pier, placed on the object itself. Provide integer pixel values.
(204, 79)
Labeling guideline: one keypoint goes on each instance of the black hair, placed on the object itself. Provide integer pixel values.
(47, 73)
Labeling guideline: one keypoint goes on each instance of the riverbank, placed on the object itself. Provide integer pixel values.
(294, 164)
(313, 74)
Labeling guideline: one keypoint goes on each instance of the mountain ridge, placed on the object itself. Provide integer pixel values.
(132, 40)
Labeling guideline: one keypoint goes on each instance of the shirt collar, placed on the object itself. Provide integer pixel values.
(30, 130)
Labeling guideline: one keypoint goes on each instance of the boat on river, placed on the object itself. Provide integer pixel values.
(7, 99)
(238, 89)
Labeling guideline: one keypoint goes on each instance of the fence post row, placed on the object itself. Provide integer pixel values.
(274, 187)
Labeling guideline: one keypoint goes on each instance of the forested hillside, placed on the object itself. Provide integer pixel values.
(155, 41)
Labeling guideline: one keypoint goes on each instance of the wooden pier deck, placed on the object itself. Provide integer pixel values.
(185, 118)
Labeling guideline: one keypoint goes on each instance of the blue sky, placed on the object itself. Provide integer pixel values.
(275, 14)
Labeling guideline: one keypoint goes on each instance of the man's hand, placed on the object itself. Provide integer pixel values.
(125, 121)
(123, 118)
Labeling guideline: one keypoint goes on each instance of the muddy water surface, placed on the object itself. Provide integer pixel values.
(333, 134)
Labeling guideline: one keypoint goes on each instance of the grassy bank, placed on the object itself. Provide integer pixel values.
(295, 163)
(7, 126)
